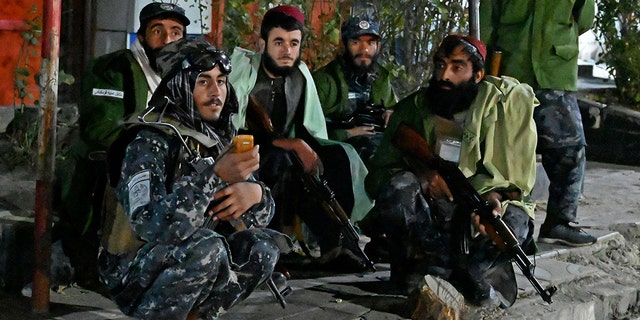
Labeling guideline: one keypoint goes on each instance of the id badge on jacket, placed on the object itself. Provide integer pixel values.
(448, 139)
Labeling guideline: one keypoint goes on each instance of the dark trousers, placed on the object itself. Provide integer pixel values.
(424, 235)
(561, 143)
(293, 198)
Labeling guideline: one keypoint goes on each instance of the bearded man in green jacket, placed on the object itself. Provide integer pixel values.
(484, 124)
(355, 90)
(539, 44)
(114, 86)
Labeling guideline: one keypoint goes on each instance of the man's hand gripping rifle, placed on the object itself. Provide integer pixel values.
(258, 119)
(412, 144)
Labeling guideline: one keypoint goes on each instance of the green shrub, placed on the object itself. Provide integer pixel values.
(411, 30)
(616, 26)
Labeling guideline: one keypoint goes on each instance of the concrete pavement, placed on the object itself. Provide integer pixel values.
(367, 296)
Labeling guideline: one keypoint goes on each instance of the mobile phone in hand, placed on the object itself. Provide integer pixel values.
(243, 142)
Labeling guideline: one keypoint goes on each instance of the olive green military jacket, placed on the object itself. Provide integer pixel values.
(333, 92)
(498, 140)
(538, 38)
(113, 87)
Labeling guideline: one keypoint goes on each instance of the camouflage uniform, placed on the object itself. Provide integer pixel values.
(114, 86)
(180, 266)
(422, 233)
(562, 145)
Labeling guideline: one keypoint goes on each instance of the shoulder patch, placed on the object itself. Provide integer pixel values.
(97, 92)
(139, 190)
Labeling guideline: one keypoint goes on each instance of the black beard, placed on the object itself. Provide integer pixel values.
(358, 69)
(151, 55)
(446, 103)
(278, 71)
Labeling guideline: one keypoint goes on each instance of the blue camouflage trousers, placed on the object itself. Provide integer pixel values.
(561, 142)
(424, 234)
(205, 274)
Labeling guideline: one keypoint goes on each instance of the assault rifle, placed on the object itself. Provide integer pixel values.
(368, 114)
(315, 186)
(412, 144)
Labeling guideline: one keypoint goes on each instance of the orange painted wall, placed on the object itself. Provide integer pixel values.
(13, 14)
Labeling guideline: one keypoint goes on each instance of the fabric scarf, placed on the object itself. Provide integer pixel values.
(174, 98)
(153, 79)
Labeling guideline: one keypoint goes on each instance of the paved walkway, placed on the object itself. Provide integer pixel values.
(360, 296)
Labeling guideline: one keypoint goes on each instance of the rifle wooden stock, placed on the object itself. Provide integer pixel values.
(316, 187)
(258, 120)
(411, 143)
(495, 62)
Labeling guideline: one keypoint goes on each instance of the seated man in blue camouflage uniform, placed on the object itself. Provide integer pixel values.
(485, 125)
(178, 179)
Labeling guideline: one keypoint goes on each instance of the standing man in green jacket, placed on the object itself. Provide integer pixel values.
(355, 90)
(114, 86)
(539, 44)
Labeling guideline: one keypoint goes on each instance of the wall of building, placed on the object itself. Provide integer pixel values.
(117, 22)
(14, 15)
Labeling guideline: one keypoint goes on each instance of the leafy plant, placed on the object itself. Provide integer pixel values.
(203, 9)
(242, 28)
(411, 32)
(616, 26)
(28, 50)
(23, 129)
(410, 29)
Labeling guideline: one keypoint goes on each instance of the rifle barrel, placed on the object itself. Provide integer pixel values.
(409, 141)
(258, 119)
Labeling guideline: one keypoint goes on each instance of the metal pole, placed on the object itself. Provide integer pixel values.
(474, 18)
(46, 153)
(217, 23)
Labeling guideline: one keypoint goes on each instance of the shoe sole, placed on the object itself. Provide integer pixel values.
(571, 244)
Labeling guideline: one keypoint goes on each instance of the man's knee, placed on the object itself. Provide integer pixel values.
(203, 246)
(520, 223)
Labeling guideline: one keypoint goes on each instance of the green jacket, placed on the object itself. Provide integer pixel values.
(498, 140)
(333, 92)
(538, 38)
(113, 87)
(243, 78)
